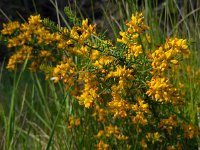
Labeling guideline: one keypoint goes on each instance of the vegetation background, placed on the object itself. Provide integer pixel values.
(36, 113)
(165, 12)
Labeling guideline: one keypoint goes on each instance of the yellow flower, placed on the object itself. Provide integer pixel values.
(103, 61)
(73, 122)
(137, 23)
(90, 91)
(44, 53)
(143, 143)
(178, 146)
(100, 113)
(85, 23)
(10, 27)
(133, 51)
(154, 137)
(111, 130)
(94, 54)
(100, 134)
(161, 90)
(168, 124)
(121, 137)
(102, 146)
(190, 131)
(34, 20)
(19, 57)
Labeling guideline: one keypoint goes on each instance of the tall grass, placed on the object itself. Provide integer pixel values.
(34, 112)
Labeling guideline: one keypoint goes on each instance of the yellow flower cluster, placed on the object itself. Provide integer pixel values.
(118, 106)
(77, 37)
(102, 146)
(73, 122)
(178, 146)
(168, 124)
(130, 38)
(100, 113)
(190, 131)
(65, 71)
(26, 34)
(153, 137)
(23, 53)
(166, 56)
(103, 61)
(9, 28)
(163, 59)
(33, 30)
(162, 91)
(137, 25)
(83, 33)
(36, 36)
(110, 131)
(141, 110)
(127, 95)
(90, 91)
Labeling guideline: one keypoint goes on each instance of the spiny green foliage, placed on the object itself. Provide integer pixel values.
(124, 108)
(50, 25)
(72, 17)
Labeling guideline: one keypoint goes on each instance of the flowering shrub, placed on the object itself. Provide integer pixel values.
(126, 86)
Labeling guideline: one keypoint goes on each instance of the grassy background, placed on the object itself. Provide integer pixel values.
(33, 112)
